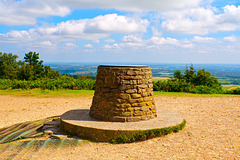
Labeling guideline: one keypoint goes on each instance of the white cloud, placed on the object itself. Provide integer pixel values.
(88, 46)
(87, 29)
(70, 45)
(114, 23)
(25, 12)
(163, 41)
(129, 5)
(46, 43)
(203, 39)
(132, 38)
(109, 40)
(114, 46)
(231, 38)
(201, 20)
(132, 44)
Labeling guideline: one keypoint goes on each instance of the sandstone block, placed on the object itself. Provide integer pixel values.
(135, 105)
(119, 119)
(143, 86)
(126, 82)
(131, 73)
(129, 77)
(146, 99)
(135, 96)
(136, 100)
(127, 114)
(130, 91)
(144, 108)
(144, 94)
(141, 104)
(138, 113)
(126, 105)
(133, 119)
(149, 90)
(124, 96)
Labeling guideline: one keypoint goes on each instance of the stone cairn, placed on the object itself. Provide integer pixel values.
(123, 94)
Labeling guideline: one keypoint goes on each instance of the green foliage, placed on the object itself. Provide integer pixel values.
(50, 84)
(190, 74)
(233, 91)
(190, 81)
(178, 75)
(31, 73)
(172, 86)
(8, 66)
(144, 135)
(30, 69)
(205, 90)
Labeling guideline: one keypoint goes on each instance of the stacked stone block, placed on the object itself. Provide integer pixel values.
(123, 94)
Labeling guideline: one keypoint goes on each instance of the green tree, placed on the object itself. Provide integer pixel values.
(35, 68)
(32, 58)
(178, 75)
(204, 78)
(190, 74)
(8, 66)
(51, 74)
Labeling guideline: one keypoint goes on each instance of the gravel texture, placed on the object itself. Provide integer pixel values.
(212, 130)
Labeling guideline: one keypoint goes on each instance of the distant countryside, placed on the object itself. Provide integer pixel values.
(227, 74)
(31, 72)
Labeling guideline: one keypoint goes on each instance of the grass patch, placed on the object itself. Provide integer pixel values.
(184, 94)
(67, 93)
(229, 87)
(48, 93)
(148, 134)
(155, 79)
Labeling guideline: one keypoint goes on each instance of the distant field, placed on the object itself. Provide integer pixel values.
(160, 78)
(229, 87)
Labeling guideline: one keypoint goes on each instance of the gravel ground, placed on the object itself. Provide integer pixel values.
(212, 130)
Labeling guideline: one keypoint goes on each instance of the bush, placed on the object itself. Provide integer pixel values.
(205, 90)
(171, 86)
(233, 91)
(51, 84)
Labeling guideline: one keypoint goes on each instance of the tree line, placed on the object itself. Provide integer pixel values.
(31, 73)
(31, 68)
(192, 81)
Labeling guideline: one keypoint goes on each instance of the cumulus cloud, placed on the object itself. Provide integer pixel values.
(203, 39)
(202, 21)
(114, 23)
(88, 46)
(25, 12)
(231, 38)
(87, 29)
(46, 43)
(70, 45)
(132, 38)
(114, 46)
(163, 41)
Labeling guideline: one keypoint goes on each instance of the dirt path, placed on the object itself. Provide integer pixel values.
(212, 130)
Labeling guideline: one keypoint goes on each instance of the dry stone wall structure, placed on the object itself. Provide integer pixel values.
(123, 94)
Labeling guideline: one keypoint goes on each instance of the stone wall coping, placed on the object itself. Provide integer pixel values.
(127, 66)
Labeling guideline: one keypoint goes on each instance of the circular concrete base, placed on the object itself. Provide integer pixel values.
(79, 123)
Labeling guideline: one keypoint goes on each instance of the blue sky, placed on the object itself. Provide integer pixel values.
(159, 31)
